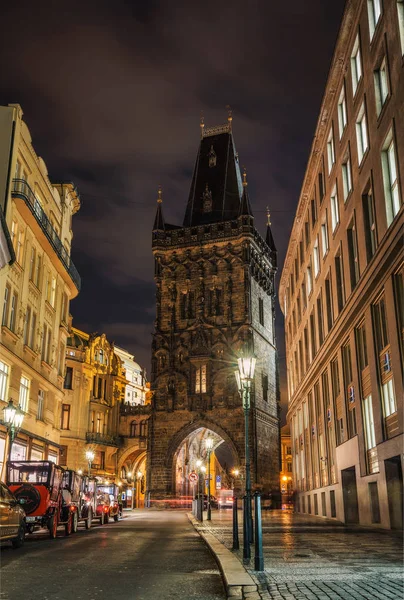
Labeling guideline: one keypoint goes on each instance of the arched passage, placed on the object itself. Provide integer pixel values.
(188, 453)
(132, 472)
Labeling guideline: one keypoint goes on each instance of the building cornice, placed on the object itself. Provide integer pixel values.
(335, 77)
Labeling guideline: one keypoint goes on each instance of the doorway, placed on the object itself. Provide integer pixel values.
(394, 482)
(350, 495)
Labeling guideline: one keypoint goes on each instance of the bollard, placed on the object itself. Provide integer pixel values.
(199, 509)
(246, 540)
(250, 519)
(259, 553)
(236, 543)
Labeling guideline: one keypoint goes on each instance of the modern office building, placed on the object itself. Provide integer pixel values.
(341, 288)
(37, 282)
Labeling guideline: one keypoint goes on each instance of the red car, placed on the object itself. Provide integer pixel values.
(39, 484)
(107, 503)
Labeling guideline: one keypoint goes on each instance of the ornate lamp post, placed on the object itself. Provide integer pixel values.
(13, 417)
(209, 446)
(244, 377)
(90, 457)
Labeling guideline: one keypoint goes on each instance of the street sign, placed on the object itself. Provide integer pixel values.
(218, 482)
(193, 477)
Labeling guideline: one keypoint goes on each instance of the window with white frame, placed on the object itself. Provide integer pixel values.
(4, 373)
(316, 258)
(400, 14)
(374, 12)
(390, 179)
(19, 253)
(41, 404)
(356, 65)
(334, 209)
(361, 133)
(330, 150)
(346, 178)
(370, 437)
(31, 341)
(324, 237)
(24, 393)
(53, 292)
(32, 264)
(342, 114)
(381, 86)
(6, 305)
(14, 233)
(13, 311)
(389, 398)
(27, 325)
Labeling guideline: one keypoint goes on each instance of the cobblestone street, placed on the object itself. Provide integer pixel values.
(313, 559)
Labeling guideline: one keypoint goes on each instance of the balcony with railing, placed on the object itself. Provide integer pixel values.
(21, 189)
(106, 439)
(135, 409)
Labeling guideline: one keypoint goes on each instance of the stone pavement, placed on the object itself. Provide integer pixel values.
(319, 559)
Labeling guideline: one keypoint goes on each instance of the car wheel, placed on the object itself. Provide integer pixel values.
(20, 539)
(116, 518)
(106, 518)
(102, 518)
(89, 518)
(75, 523)
(53, 526)
(69, 524)
(30, 529)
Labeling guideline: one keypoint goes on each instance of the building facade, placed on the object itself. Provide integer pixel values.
(342, 284)
(94, 389)
(35, 289)
(286, 478)
(136, 389)
(214, 300)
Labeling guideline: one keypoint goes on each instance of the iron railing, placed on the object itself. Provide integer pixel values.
(22, 190)
(106, 439)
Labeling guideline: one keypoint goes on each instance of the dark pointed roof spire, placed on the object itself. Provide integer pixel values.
(269, 238)
(159, 224)
(245, 207)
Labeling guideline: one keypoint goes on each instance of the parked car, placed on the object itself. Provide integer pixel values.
(225, 498)
(88, 500)
(12, 518)
(39, 483)
(71, 492)
(107, 502)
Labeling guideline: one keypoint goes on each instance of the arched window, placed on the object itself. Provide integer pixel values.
(143, 428)
(101, 355)
(133, 427)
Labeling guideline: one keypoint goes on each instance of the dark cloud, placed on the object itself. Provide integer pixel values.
(112, 94)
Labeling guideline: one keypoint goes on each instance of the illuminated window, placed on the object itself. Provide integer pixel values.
(356, 65)
(390, 179)
(200, 380)
(353, 254)
(4, 373)
(316, 258)
(41, 404)
(65, 421)
(346, 178)
(369, 425)
(374, 12)
(324, 237)
(381, 86)
(342, 114)
(361, 133)
(24, 393)
(400, 14)
(369, 219)
(389, 398)
(334, 209)
(330, 150)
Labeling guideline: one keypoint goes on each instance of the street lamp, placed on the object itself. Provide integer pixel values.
(209, 447)
(90, 457)
(13, 417)
(244, 377)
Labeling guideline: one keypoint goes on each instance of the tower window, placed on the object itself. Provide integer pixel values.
(261, 311)
(200, 380)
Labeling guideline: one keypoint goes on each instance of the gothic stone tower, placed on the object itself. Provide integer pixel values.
(215, 300)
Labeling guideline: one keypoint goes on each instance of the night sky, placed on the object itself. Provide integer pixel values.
(112, 93)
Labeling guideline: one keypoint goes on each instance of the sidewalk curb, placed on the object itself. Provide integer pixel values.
(237, 581)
